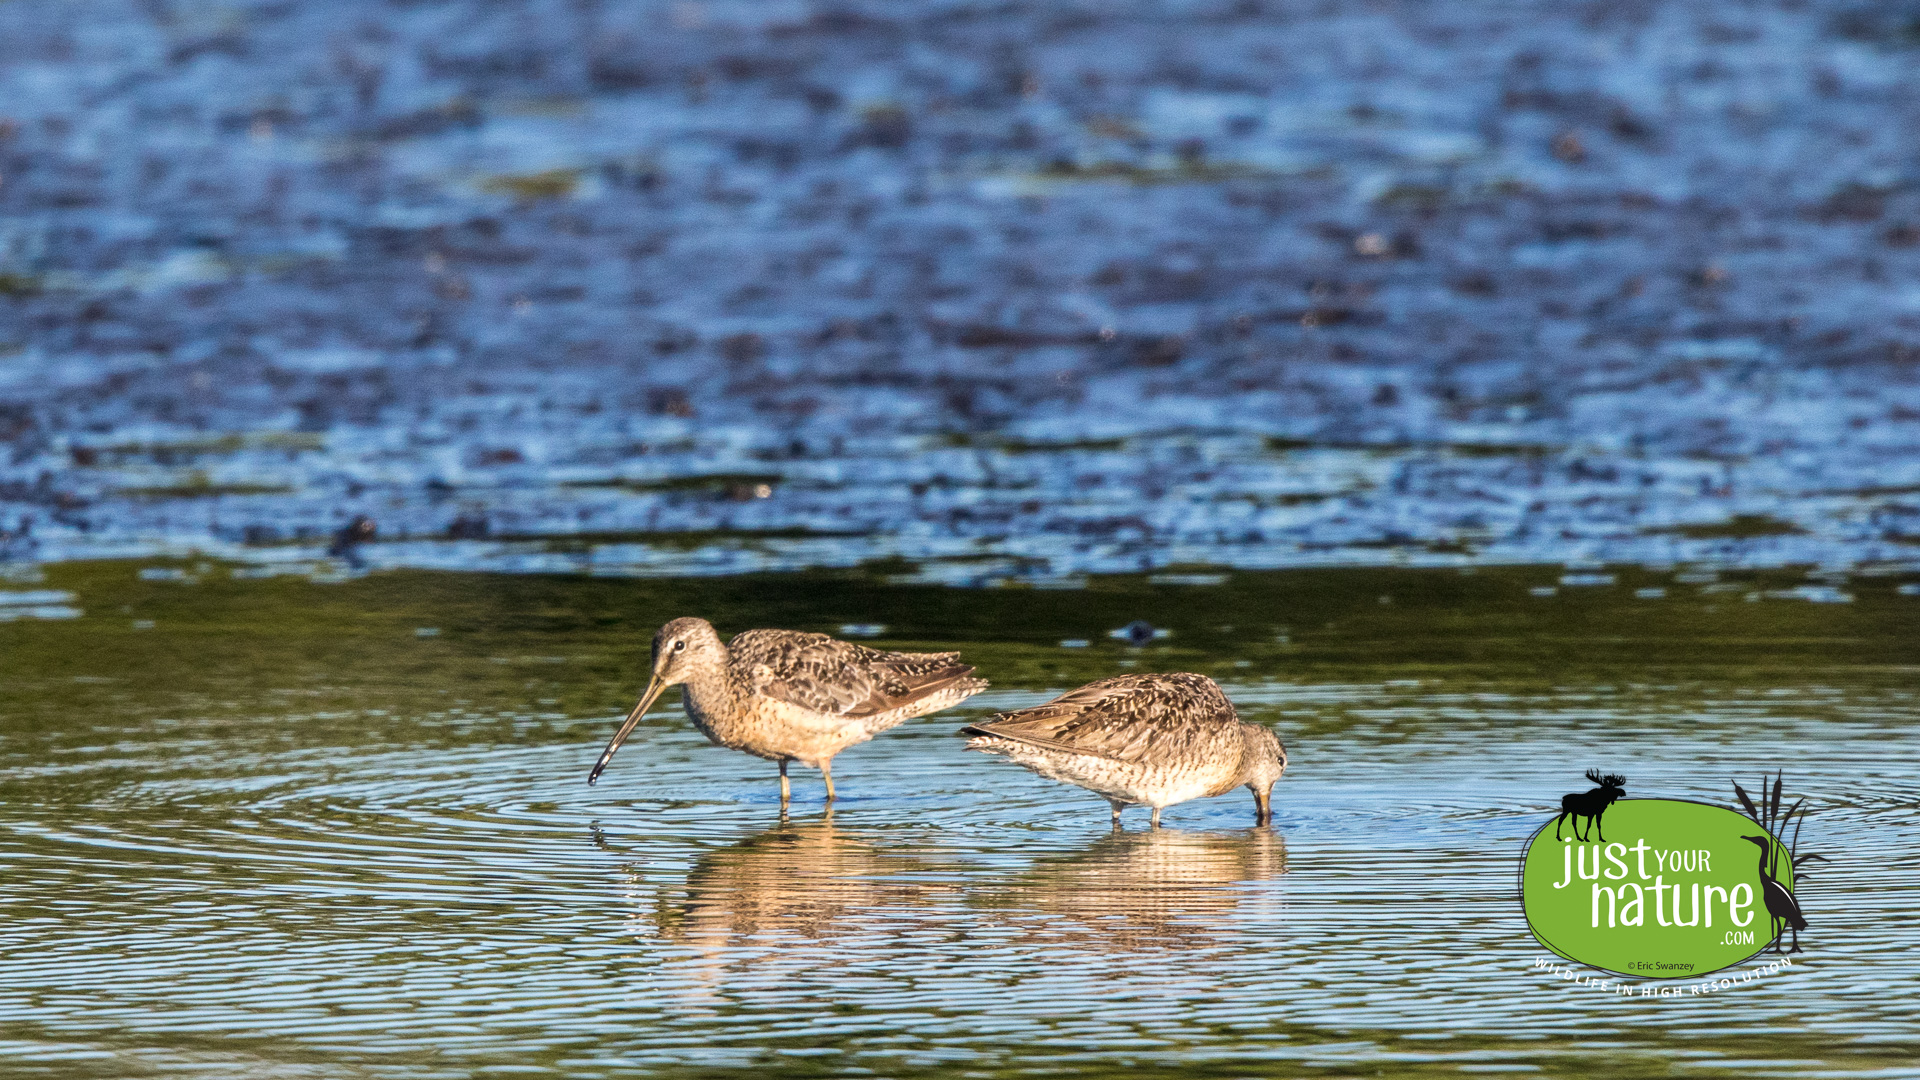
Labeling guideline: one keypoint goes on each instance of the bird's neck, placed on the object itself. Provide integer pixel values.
(1247, 751)
(710, 692)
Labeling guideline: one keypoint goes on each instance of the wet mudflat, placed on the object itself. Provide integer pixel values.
(285, 828)
(1069, 287)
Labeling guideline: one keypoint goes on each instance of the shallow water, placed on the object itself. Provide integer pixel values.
(277, 832)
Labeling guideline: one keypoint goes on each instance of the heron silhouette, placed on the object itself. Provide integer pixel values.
(1591, 804)
(1780, 902)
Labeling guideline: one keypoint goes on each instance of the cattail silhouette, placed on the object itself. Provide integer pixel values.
(1780, 902)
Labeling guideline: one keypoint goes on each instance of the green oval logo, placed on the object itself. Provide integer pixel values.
(1675, 890)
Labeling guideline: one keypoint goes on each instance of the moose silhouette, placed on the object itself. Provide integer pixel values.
(1590, 804)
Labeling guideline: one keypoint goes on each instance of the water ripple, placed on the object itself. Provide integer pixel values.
(480, 902)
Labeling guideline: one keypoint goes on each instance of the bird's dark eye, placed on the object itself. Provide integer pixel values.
(679, 646)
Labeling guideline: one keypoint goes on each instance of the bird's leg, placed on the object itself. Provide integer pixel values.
(1156, 817)
(786, 792)
(1116, 804)
(826, 770)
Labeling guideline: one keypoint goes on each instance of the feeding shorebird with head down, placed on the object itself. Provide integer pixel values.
(785, 695)
(1152, 740)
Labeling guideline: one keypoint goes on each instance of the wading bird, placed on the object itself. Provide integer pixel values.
(1155, 740)
(1780, 903)
(1591, 805)
(787, 696)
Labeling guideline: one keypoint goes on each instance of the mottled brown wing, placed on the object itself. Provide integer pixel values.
(840, 678)
(1133, 718)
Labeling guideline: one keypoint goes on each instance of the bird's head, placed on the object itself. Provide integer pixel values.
(1262, 760)
(1765, 842)
(682, 650)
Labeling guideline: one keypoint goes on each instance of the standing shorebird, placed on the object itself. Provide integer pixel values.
(1781, 906)
(790, 696)
(1152, 739)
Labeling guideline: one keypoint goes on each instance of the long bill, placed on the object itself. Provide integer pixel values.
(1262, 805)
(654, 687)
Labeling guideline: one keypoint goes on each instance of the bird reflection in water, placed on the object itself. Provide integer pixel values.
(799, 880)
(784, 909)
(1146, 890)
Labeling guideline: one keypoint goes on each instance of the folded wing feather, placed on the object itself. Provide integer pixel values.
(839, 678)
(1131, 718)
